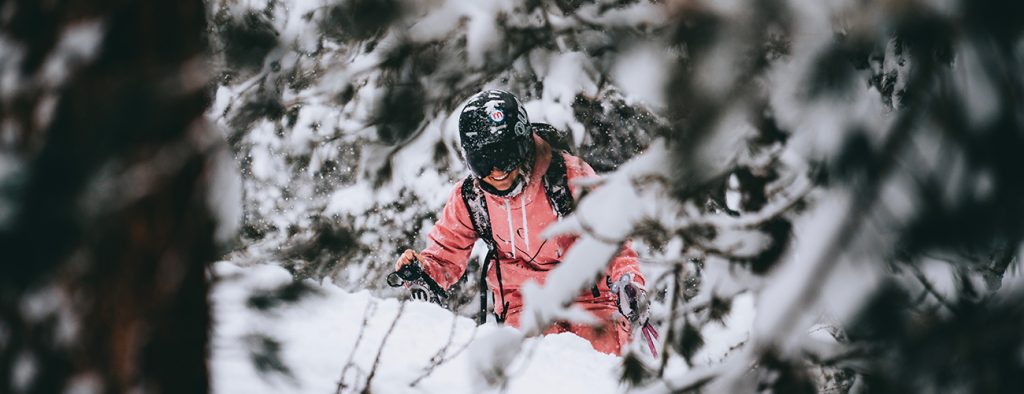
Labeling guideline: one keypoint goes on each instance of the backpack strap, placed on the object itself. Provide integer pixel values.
(558, 139)
(556, 186)
(476, 203)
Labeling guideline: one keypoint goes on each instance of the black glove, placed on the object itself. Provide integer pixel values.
(633, 302)
(634, 305)
(420, 285)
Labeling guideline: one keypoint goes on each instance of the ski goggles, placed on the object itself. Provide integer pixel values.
(504, 156)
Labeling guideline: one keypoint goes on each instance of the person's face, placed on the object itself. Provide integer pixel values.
(501, 180)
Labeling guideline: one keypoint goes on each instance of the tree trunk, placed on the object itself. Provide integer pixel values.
(105, 231)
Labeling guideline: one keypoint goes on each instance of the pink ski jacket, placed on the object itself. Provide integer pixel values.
(517, 223)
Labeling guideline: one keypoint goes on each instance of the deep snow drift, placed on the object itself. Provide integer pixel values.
(318, 333)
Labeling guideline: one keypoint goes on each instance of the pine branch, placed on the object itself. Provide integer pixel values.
(759, 218)
(856, 214)
(690, 381)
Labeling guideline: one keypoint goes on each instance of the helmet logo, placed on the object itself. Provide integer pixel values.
(497, 116)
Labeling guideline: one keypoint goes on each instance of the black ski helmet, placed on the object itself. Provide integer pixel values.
(495, 132)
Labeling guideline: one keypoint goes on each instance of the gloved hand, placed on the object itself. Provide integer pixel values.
(419, 291)
(635, 306)
(633, 302)
(407, 257)
(420, 285)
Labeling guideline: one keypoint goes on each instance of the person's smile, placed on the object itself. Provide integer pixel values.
(502, 180)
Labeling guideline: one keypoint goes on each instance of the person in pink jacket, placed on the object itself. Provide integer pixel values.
(508, 161)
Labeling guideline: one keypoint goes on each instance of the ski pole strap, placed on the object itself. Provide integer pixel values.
(556, 186)
(650, 335)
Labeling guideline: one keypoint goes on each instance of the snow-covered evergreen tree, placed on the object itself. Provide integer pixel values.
(851, 165)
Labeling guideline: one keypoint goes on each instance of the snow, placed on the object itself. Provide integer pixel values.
(845, 291)
(263, 164)
(10, 71)
(10, 172)
(295, 30)
(437, 22)
(318, 335)
(941, 276)
(539, 373)
(722, 338)
(358, 198)
(899, 199)
(78, 45)
(482, 34)
(41, 304)
(564, 78)
(86, 383)
(413, 168)
(547, 111)
(225, 200)
(642, 74)
(44, 111)
(788, 284)
(719, 69)
(733, 194)
(25, 369)
(982, 97)
(240, 7)
(565, 75)
(638, 14)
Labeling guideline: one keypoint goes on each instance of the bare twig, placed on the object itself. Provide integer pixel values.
(689, 381)
(695, 307)
(697, 379)
(665, 261)
(756, 219)
(371, 308)
(383, 342)
(705, 246)
(669, 336)
(442, 357)
(664, 275)
(929, 288)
